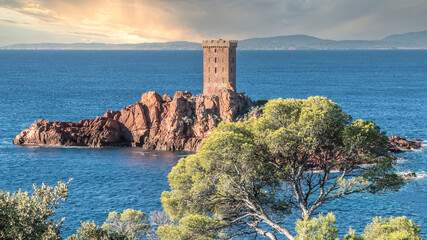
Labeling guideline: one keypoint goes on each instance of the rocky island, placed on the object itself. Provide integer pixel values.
(155, 122)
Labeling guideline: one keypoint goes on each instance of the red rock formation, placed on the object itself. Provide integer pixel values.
(101, 131)
(400, 144)
(155, 122)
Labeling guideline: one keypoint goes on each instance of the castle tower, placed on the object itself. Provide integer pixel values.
(219, 65)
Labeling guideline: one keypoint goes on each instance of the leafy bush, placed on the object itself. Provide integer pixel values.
(393, 228)
(24, 216)
(321, 228)
(193, 227)
(131, 224)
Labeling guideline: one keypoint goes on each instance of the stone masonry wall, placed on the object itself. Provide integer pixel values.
(219, 66)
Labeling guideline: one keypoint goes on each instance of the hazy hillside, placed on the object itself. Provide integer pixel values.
(412, 40)
(295, 42)
(179, 45)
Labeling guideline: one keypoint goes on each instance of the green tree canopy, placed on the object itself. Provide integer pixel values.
(249, 175)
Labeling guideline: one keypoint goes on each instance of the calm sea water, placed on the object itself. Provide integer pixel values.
(388, 87)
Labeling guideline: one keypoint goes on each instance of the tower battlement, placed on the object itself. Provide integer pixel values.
(219, 43)
(219, 65)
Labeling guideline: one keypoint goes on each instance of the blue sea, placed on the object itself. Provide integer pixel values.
(387, 87)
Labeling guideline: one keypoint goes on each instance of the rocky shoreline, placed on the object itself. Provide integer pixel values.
(155, 122)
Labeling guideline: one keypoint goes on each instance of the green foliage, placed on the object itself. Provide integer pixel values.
(212, 180)
(321, 228)
(291, 126)
(393, 228)
(381, 179)
(365, 138)
(91, 231)
(24, 216)
(352, 235)
(192, 227)
(131, 224)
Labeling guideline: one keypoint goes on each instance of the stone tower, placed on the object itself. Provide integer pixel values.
(219, 65)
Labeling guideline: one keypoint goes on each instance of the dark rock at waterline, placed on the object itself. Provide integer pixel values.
(400, 144)
(409, 175)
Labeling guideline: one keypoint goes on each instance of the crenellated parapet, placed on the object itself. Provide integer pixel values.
(219, 43)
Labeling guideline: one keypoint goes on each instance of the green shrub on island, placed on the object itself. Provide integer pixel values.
(297, 156)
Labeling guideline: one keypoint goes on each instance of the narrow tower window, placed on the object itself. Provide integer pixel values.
(215, 59)
(215, 70)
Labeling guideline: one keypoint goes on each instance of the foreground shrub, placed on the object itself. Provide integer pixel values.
(321, 228)
(129, 225)
(393, 228)
(24, 216)
(193, 227)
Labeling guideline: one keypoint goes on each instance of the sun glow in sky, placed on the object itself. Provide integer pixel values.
(136, 21)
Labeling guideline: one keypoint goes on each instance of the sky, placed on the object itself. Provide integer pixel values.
(137, 21)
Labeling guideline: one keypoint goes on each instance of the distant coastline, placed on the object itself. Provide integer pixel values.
(405, 41)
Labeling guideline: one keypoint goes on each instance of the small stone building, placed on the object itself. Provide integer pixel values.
(219, 65)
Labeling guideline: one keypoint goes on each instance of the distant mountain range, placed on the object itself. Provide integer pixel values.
(411, 40)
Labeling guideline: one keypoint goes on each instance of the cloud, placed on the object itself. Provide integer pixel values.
(134, 21)
(12, 22)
